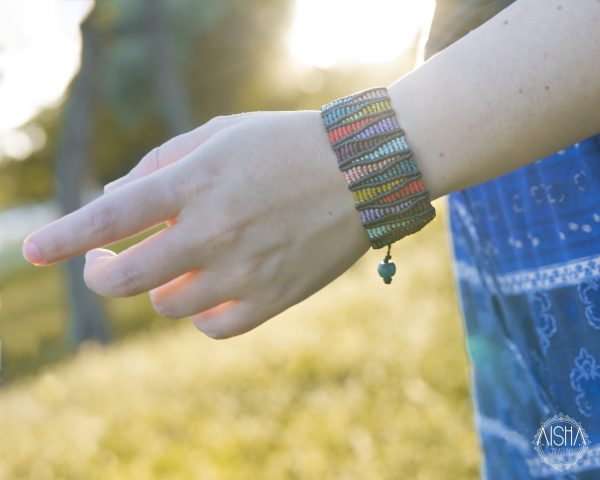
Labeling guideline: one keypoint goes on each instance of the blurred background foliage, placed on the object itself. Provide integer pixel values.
(360, 381)
(230, 57)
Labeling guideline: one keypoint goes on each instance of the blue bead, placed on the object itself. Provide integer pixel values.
(386, 270)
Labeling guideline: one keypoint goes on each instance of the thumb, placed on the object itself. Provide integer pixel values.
(174, 149)
(169, 152)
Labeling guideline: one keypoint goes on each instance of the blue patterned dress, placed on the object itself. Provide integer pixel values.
(527, 265)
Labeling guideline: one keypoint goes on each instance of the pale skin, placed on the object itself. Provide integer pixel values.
(259, 216)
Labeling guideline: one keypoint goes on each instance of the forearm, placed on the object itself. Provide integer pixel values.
(520, 87)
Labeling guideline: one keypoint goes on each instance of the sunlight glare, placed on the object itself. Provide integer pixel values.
(325, 33)
(39, 54)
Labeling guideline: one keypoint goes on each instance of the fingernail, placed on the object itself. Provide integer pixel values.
(31, 252)
(98, 253)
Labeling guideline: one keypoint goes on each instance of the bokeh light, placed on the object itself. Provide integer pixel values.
(39, 55)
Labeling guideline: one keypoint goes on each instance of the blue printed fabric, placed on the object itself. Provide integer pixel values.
(527, 264)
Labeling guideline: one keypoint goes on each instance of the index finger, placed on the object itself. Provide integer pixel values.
(119, 214)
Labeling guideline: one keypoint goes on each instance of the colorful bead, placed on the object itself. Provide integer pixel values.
(386, 269)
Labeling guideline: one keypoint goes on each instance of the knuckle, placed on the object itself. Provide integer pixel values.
(251, 269)
(102, 220)
(151, 160)
(181, 187)
(190, 185)
(225, 234)
(218, 119)
(212, 123)
(210, 242)
(124, 281)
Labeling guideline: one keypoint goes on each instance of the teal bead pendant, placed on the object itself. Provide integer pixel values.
(387, 269)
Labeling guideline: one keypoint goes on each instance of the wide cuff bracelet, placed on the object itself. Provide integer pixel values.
(379, 168)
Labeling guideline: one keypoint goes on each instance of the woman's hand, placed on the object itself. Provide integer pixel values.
(259, 218)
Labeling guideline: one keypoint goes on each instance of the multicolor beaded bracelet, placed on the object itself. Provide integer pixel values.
(379, 169)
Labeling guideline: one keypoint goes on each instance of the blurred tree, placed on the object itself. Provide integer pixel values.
(87, 319)
(152, 35)
(169, 85)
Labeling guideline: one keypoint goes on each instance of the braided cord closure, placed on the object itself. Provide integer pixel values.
(378, 165)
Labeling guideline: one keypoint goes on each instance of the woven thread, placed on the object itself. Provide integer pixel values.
(378, 165)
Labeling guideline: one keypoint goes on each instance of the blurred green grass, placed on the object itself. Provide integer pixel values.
(34, 315)
(362, 380)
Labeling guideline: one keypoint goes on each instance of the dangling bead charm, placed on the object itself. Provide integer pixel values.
(387, 269)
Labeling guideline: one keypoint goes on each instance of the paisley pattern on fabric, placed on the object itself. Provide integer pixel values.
(589, 294)
(545, 321)
(585, 380)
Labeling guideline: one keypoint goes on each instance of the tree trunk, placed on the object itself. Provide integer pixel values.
(87, 319)
(170, 86)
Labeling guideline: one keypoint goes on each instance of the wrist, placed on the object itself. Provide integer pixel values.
(406, 95)
(379, 168)
(344, 212)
